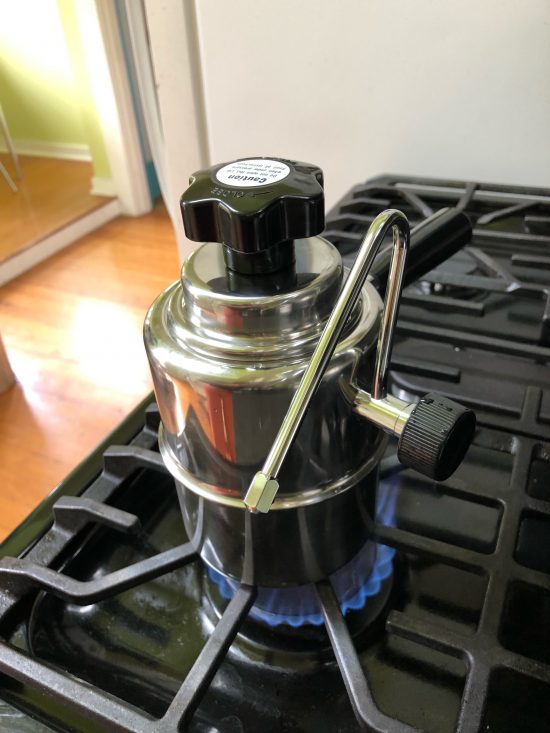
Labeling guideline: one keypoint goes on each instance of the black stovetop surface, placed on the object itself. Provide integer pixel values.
(111, 622)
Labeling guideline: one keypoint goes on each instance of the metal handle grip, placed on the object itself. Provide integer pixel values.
(264, 485)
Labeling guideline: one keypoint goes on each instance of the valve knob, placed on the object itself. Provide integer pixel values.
(436, 436)
(255, 207)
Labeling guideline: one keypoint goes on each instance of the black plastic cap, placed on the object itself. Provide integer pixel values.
(436, 437)
(256, 207)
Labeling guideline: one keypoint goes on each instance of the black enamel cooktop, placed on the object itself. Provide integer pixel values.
(110, 622)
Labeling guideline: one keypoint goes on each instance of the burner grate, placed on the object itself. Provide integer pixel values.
(20, 576)
(477, 327)
(445, 343)
(483, 652)
(486, 652)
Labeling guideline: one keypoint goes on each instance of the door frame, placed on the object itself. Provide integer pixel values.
(106, 68)
(173, 40)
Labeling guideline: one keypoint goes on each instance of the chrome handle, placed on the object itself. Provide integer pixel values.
(264, 485)
(391, 307)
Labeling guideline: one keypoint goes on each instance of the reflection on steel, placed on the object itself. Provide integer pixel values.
(355, 583)
(225, 366)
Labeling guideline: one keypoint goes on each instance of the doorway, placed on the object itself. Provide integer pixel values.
(65, 96)
(60, 170)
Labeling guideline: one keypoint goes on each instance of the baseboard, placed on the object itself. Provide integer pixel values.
(36, 253)
(65, 151)
(102, 187)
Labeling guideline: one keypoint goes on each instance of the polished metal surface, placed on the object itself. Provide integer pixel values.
(264, 485)
(389, 413)
(222, 396)
(401, 237)
(226, 361)
(236, 316)
(287, 547)
(219, 432)
(297, 500)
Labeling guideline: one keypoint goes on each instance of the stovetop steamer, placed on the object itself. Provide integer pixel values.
(269, 364)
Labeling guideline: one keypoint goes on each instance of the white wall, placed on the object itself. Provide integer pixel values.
(452, 88)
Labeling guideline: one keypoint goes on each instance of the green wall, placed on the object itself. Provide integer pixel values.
(90, 121)
(44, 88)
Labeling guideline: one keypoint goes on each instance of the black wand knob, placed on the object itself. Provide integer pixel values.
(436, 437)
(256, 208)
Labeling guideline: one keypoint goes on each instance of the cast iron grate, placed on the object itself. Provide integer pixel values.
(500, 329)
(492, 648)
(508, 649)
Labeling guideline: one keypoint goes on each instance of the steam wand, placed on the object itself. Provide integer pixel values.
(264, 485)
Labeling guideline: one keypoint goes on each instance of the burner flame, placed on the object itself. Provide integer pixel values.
(354, 584)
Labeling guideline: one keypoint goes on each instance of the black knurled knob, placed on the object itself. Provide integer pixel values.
(436, 437)
(255, 207)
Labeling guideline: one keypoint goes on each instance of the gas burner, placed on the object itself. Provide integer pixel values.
(356, 586)
(297, 636)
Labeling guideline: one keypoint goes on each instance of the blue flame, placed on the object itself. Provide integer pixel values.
(354, 584)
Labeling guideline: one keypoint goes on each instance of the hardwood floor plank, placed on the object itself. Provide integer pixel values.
(72, 328)
(52, 194)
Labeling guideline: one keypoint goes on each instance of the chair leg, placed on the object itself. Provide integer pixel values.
(8, 178)
(9, 142)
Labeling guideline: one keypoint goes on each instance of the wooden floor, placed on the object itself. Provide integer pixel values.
(52, 193)
(72, 330)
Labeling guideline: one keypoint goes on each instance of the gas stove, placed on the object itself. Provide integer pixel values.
(111, 622)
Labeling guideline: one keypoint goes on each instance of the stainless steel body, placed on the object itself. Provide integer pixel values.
(289, 547)
(225, 366)
(263, 357)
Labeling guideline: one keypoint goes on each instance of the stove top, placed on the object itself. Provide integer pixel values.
(110, 622)
(477, 327)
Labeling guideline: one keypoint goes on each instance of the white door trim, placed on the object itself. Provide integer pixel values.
(98, 27)
(177, 69)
